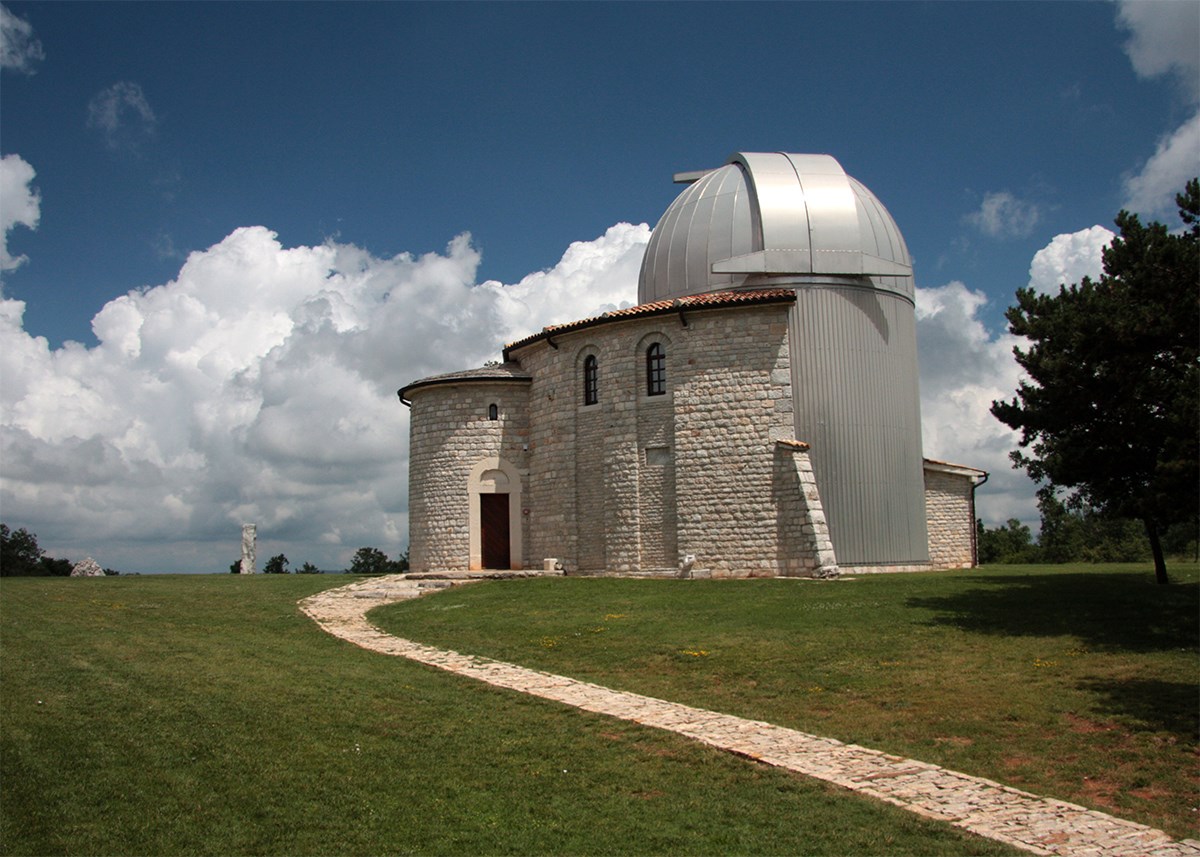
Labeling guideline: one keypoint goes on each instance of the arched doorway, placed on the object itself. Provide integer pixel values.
(495, 515)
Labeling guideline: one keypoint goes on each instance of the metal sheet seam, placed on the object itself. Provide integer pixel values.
(804, 199)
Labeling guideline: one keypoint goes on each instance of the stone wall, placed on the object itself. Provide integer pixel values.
(450, 436)
(804, 544)
(634, 482)
(733, 402)
(950, 512)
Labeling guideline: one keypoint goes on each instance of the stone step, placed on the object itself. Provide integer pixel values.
(487, 574)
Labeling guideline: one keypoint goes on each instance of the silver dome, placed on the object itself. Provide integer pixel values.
(773, 218)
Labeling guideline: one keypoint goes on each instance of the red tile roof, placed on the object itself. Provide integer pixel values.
(710, 300)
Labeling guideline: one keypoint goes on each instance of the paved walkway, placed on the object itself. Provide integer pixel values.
(1040, 825)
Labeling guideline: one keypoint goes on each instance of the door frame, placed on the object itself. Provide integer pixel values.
(494, 508)
(495, 476)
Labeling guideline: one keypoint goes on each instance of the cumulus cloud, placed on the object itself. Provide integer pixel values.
(20, 204)
(1068, 258)
(1151, 191)
(19, 50)
(259, 385)
(964, 368)
(592, 277)
(1163, 42)
(1002, 215)
(123, 116)
(1162, 39)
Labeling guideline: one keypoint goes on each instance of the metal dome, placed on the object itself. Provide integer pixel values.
(773, 218)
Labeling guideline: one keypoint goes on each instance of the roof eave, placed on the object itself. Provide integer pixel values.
(403, 392)
(769, 296)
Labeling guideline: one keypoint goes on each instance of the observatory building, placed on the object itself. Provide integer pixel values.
(756, 414)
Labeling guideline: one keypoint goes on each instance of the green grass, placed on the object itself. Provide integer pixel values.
(206, 715)
(1078, 682)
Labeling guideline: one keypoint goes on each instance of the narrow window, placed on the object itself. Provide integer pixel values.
(591, 389)
(656, 370)
(493, 412)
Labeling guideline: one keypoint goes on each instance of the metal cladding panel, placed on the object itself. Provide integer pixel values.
(710, 219)
(856, 400)
(769, 214)
(779, 201)
(877, 228)
(729, 229)
(837, 229)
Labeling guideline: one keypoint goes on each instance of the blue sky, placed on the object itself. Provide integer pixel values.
(383, 131)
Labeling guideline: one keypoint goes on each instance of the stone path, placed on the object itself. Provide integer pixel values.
(1037, 824)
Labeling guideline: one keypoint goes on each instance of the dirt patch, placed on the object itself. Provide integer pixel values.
(955, 741)
(1087, 727)
(1150, 793)
(1100, 792)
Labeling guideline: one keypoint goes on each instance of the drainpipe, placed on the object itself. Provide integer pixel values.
(974, 524)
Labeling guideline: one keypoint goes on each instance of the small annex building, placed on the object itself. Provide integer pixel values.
(756, 414)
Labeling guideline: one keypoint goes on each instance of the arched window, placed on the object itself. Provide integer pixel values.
(656, 370)
(591, 387)
(493, 412)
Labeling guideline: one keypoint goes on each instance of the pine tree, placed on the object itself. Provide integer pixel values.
(1110, 409)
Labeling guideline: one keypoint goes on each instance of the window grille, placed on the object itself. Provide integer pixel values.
(656, 370)
(591, 387)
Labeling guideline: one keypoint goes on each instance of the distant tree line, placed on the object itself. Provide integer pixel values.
(367, 560)
(1071, 532)
(20, 556)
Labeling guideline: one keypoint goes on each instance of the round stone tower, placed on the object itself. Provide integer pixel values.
(772, 220)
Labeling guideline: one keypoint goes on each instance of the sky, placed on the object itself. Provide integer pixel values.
(231, 231)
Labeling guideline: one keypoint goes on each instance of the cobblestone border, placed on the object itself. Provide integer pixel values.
(987, 808)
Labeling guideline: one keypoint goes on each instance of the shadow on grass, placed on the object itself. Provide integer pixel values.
(1156, 706)
(1116, 612)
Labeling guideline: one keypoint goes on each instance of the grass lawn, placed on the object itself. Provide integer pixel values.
(206, 715)
(1078, 682)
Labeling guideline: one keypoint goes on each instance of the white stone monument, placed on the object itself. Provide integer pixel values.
(87, 568)
(249, 538)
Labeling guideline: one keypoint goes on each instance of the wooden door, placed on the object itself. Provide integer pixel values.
(493, 531)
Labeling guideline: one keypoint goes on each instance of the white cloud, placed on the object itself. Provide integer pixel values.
(1002, 215)
(19, 50)
(1152, 190)
(1163, 41)
(964, 368)
(1068, 258)
(123, 116)
(591, 278)
(259, 385)
(19, 204)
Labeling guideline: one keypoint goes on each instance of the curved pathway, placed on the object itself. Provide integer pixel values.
(987, 808)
